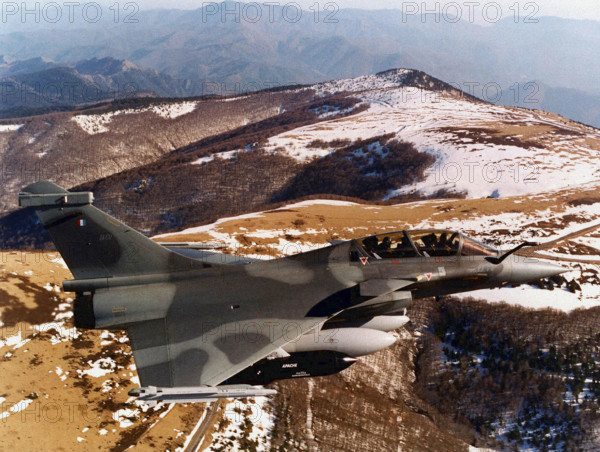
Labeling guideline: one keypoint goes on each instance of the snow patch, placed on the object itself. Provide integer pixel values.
(60, 333)
(60, 261)
(96, 124)
(258, 413)
(172, 111)
(10, 127)
(221, 155)
(532, 297)
(124, 416)
(16, 408)
(99, 368)
(15, 341)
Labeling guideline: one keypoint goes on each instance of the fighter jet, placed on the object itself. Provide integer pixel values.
(205, 325)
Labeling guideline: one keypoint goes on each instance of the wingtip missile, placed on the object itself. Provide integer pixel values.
(153, 394)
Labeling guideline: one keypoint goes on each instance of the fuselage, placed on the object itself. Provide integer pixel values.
(354, 293)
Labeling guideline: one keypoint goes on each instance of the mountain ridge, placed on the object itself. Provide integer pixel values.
(189, 45)
(367, 130)
(39, 83)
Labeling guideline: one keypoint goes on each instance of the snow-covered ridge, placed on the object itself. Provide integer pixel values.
(209, 228)
(390, 79)
(481, 149)
(94, 124)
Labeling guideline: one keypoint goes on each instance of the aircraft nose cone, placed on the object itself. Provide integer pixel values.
(543, 270)
(528, 269)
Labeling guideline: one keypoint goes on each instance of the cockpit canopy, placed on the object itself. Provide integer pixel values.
(423, 243)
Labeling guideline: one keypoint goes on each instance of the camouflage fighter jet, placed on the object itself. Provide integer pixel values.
(205, 325)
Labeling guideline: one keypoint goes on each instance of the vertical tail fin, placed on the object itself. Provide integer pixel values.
(94, 244)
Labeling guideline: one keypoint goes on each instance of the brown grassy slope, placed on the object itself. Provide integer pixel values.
(68, 406)
(325, 221)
